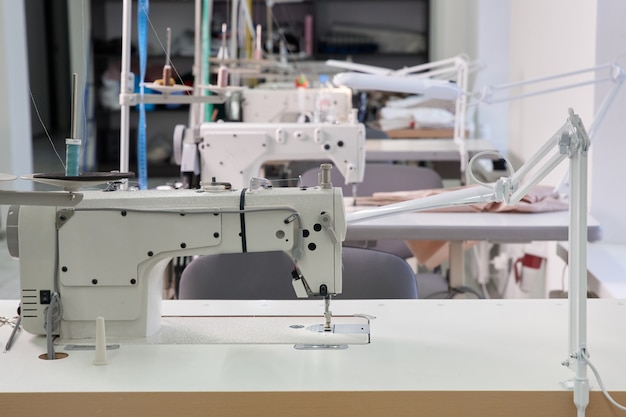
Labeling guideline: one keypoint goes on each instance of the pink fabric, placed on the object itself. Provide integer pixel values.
(539, 199)
(432, 253)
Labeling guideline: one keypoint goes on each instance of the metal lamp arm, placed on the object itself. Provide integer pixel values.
(472, 195)
(568, 139)
(488, 94)
(442, 66)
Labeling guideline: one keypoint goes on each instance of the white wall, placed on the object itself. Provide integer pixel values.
(567, 35)
(449, 26)
(549, 38)
(493, 20)
(15, 128)
(479, 28)
(608, 153)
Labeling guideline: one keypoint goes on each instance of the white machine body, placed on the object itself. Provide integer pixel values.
(236, 152)
(288, 105)
(106, 256)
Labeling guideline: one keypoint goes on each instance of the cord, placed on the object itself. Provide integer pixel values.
(485, 291)
(32, 99)
(601, 384)
(453, 292)
(462, 290)
(483, 153)
(164, 49)
(563, 277)
(242, 220)
(53, 313)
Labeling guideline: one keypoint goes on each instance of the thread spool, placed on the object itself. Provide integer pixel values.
(222, 76)
(72, 157)
(324, 176)
(258, 50)
(167, 75)
(308, 35)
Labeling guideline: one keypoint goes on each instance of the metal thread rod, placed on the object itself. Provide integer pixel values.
(126, 81)
(168, 46)
(73, 143)
(74, 110)
(167, 68)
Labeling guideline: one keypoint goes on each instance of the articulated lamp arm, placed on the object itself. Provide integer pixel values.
(567, 140)
(421, 79)
(572, 141)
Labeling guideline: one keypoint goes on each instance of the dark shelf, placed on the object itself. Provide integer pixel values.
(410, 16)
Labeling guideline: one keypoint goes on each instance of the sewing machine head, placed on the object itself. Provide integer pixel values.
(106, 255)
(237, 151)
(290, 105)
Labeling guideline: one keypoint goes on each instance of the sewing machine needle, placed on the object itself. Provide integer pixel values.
(16, 327)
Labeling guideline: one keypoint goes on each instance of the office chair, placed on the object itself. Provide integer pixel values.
(380, 177)
(367, 274)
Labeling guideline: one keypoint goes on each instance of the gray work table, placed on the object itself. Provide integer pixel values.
(422, 149)
(494, 227)
(467, 226)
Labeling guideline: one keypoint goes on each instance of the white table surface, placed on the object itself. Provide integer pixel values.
(422, 149)
(495, 227)
(452, 357)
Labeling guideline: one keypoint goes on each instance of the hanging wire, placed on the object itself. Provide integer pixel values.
(43, 125)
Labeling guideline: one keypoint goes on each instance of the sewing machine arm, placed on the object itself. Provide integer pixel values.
(107, 255)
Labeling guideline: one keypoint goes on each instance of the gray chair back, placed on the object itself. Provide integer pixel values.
(367, 274)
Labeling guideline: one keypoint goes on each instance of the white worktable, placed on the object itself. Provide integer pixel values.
(422, 149)
(426, 357)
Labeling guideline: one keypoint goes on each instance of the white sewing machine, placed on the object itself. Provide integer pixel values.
(106, 255)
(288, 105)
(236, 152)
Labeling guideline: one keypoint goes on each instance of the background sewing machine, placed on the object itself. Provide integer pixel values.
(105, 256)
(290, 105)
(279, 125)
(236, 152)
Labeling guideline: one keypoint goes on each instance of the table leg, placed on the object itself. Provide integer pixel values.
(457, 264)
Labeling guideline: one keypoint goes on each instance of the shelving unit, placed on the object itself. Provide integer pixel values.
(394, 32)
(106, 36)
(397, 31)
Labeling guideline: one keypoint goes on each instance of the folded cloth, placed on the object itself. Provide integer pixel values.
(432, 253)
(539, 199)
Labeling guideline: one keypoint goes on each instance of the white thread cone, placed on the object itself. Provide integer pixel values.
(101, 343)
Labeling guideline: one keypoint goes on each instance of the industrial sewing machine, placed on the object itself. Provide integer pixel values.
(289, 105)
(105, 256)
(237, 151)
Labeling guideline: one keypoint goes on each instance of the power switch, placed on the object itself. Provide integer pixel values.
(44, 296)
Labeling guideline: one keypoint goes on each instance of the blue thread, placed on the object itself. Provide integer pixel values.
(142, 33)
(72, 157)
